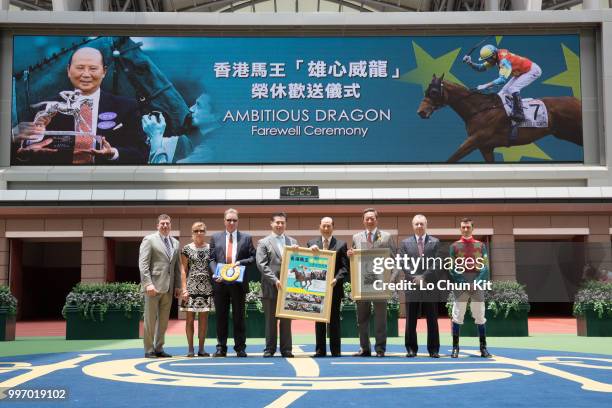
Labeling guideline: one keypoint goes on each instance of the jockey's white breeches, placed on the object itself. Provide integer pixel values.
(515, 84)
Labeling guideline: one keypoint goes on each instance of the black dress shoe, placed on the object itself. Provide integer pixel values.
(287, 355)
(362, 354)
(380, 354)
(336, 355)
(318, 355)
(241, 353)
(411, 354)
(203, 354)
(267, 354)
(162, 354)
(150, 355)
(434, 355)
(455, 353)
(220, 354)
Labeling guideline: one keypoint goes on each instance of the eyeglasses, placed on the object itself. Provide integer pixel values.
(231, 220)
(199, 231)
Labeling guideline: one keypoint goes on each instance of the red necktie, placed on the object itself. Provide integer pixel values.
(83, 142)
(370, 238)
(230, 249)
(421, 246)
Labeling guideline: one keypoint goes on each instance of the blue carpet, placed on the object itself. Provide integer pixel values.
(121, 378)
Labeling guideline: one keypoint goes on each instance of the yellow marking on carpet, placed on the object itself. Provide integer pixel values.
(42, 370)
(304, 365)
(286, 399)
(587, 383)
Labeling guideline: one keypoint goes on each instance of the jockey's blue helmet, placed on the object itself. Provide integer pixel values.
(487, 52)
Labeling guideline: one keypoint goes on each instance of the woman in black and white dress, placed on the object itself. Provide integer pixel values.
(197, 286)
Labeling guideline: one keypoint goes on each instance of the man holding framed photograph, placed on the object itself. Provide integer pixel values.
(328, 242)
(372, 238)
(269, 259)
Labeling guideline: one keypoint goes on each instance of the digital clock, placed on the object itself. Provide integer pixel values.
(299, 192)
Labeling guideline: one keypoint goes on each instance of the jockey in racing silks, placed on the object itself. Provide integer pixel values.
(515, 72)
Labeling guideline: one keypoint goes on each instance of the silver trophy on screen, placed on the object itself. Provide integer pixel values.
(72, 104)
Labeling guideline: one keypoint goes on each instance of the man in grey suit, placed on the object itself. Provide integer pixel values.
(423, 245)
(372, 237)
(160, 273)
(269, 258)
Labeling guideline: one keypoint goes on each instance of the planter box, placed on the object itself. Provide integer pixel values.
(515, 325)
(348, 322)
(7, 325)
(591, 325)
(254, 322)
(116, 325)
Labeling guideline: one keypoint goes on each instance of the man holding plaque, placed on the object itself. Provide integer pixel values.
(330, 243)
(371, 238)
(269, 260)
(234, 249)
(97, 127)
(421, 245)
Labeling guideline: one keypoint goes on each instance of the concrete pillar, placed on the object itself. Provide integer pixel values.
(66, 5)
(4, 4)
(502, 251)
(591, 4)
(529, 5)
(93, 252)
(491, 5)
(101, 5)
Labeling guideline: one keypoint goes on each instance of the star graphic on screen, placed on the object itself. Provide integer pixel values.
(516, 153)
(426, 66)
(571, 76)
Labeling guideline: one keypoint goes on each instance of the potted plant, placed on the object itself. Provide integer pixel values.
(507, 309)
(8, 311)
(348, 313)
(103, 311)
(593, 309)
(254, 320)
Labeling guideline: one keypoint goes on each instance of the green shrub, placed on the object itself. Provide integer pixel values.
(93, 300)
(253, 296)
(595, 296)
(503, 298)
(7, 300)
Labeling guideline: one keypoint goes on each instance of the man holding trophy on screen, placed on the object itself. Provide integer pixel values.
(88, 126)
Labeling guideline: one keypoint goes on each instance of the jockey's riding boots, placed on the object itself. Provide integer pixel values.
(455, 353)
(483, 348)
(517, 108)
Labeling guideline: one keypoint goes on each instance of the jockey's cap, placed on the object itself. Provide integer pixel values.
(487, 52)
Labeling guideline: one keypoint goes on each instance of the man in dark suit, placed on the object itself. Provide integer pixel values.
(230, 247)
(115, 118)
(269, 259)
(422, 245)
(328, 242)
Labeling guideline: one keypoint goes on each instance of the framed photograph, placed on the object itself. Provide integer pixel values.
(363, 276)
(306, 279)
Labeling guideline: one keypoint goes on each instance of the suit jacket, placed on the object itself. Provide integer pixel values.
(245, 252)
(382, 239)
(156, 267)
(129, 139)
(341, 270)
(269, 261)
(410, 247)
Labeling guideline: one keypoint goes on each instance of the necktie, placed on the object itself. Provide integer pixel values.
(230, 249)
(326, 243)
(421, 246)
(84, 124)
(168, 247)
(370, 237)
(281, 243)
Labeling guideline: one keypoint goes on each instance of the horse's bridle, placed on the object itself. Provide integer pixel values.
(438, 100)
(144, 98)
